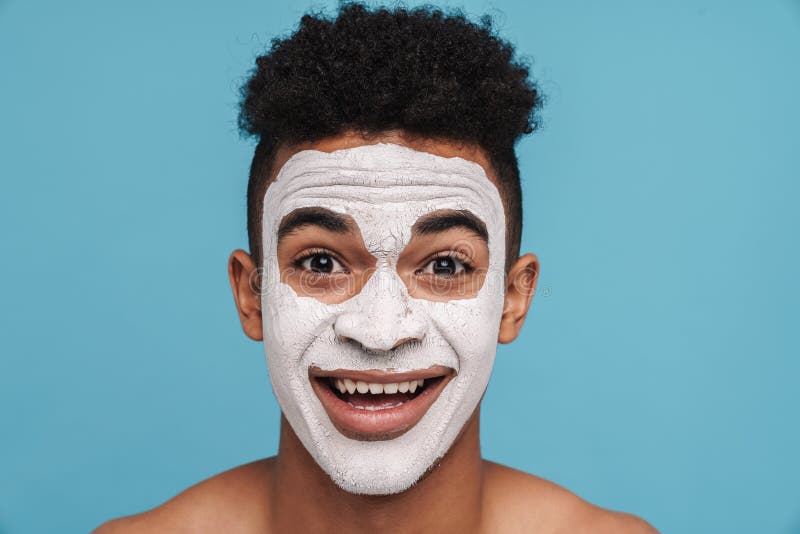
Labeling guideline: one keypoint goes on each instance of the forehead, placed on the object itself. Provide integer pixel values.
(386, 180)
(385, 189)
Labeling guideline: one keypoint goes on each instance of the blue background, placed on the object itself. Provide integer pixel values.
(657, 374)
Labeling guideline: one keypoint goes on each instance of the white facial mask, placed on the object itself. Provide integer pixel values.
(385, 188)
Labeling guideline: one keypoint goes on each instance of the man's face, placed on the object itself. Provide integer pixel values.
(382, 296)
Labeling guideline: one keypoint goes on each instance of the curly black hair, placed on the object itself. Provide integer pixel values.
(420, 71)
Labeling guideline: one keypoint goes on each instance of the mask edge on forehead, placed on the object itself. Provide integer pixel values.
(357, 154)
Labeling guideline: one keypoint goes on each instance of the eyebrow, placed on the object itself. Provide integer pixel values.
(322, 217)
(440, 221)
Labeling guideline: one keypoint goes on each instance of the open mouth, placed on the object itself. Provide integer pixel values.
(378, 405)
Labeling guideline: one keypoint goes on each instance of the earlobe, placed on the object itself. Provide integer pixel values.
(243, 276)
(520, 287)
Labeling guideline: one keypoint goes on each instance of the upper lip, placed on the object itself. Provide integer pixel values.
(379, 376)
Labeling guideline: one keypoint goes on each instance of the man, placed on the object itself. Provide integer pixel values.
(384, 217)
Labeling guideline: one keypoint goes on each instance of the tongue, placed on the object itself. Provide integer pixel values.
(380, 401)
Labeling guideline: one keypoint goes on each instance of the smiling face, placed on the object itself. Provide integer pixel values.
(382, 296)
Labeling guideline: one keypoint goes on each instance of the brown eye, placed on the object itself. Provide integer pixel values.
(320, 263)
(446, 266)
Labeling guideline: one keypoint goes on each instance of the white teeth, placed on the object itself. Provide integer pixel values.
(375, 408)
(349, 385)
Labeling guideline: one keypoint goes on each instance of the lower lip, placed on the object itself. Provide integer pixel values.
(378, 425)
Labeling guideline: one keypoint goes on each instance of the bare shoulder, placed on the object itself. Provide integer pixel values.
(232, 501)
(517, 502)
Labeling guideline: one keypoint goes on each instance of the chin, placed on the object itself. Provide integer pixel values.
(388, 466)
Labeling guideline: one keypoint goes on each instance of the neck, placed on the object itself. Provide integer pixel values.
(305, 499)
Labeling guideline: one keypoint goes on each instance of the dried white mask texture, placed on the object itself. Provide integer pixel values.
(385, 188)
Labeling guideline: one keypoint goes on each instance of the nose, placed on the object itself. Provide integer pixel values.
(381, 317)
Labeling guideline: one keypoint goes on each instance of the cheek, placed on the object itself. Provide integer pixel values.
(469, 326)
(291, 324)
(328, 289)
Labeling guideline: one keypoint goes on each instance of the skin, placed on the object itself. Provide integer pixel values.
(462, 493)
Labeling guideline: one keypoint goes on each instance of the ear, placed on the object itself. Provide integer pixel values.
(520, 287)
(244, 277)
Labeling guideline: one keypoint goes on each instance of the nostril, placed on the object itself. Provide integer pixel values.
(349, 340)
(403, 342)
(360, 345)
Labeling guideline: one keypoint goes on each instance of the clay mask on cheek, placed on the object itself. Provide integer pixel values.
(385, 188)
